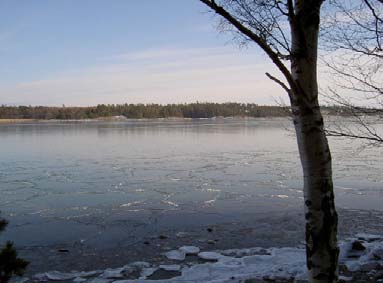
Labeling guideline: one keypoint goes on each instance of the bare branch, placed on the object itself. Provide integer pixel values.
(258, 39)
(377, 140)
(284, 86)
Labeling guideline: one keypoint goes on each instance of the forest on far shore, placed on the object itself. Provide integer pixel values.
(141, 111)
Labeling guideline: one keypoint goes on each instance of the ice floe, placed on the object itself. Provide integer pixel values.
(170, 267)
(279, 196)
(210, 255)
(190, 249)
(116, 273)
(147, 271)
(176, 255)
(364, 253)
(60, 276)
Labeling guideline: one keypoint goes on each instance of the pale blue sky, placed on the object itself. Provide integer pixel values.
(85, 52)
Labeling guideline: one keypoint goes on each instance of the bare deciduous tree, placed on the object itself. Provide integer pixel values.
(287, 31)
(352, 34)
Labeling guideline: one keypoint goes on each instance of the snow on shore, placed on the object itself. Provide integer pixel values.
(361, 254)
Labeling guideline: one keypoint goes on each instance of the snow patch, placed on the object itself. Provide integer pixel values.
(368, 259)
(363, 253)
(369, 237)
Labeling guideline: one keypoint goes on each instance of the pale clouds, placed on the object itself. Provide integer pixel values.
(163, 75)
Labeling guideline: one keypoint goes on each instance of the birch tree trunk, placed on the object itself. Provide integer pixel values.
(304, 17)
(320, 214)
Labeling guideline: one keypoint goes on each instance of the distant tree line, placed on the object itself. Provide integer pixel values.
(140, 111)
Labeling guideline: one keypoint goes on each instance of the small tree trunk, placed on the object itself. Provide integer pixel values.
(320, 214)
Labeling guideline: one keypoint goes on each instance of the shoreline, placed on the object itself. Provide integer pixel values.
(279, 230)
(360, 260)
(118, 119)
(328, 119)
(154, 254)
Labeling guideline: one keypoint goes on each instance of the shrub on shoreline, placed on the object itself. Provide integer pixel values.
(10, 264)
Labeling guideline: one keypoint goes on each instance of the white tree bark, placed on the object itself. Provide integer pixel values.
(320, 214)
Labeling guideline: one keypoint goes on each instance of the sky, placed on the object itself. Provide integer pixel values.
(87, 52)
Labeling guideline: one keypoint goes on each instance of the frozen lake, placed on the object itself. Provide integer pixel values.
(113, 184)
